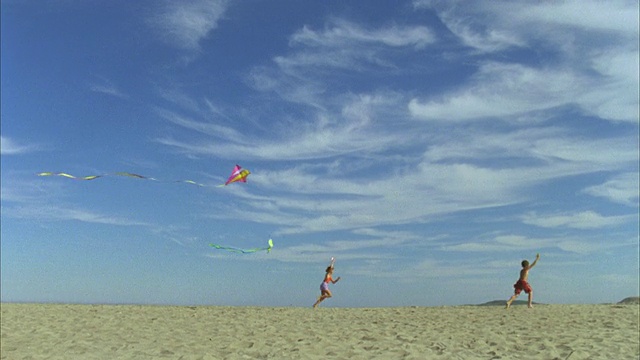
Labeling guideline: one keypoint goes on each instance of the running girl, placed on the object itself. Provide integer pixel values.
(324, 286)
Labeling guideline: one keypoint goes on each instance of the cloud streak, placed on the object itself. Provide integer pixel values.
(352, 128)
(581, 220)
(58, 213)
(185, 24)
(9, 146)
(595, 66)
(621, 189)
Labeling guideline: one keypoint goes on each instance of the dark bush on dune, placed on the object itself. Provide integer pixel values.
(634, 300)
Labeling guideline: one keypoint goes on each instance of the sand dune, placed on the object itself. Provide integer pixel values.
(49, 331)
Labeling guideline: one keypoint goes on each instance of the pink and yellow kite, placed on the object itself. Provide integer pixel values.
(238, 174)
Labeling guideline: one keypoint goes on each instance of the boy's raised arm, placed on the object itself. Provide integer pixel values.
(535, 261)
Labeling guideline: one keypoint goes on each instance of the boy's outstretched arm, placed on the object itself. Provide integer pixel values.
(535, 261)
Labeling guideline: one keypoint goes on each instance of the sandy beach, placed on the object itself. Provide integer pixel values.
(58, 331)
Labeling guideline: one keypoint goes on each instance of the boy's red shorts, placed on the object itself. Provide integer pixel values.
(522, 285)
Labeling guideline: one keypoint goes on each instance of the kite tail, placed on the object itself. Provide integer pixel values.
(243, 251)
(91, 177)
(238, 175)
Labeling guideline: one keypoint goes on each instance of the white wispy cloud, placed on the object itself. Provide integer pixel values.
(501, 243)
(596, 65)
(543, 148)
(616, 95)
(508, 91)
(621, 189)
(521, 243)
(184, 24)
(579, 220)
(617, 16)
(516, 18)
(108, 89)
(503, 90)
(482, 38)
(227, 133)
(351, 128)
(344, 45)
(24, 197)
(341, 33)
(10, 146)
(45, 212)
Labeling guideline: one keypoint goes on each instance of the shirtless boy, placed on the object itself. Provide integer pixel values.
(522, 283)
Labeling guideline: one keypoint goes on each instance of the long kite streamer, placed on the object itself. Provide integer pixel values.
(243, 251)
(93, 177)
(70, 176)
(237, 175)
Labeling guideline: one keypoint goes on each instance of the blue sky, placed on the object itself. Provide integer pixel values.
(429, 146)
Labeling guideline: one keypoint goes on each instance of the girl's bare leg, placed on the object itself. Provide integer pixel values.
(324, 295)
